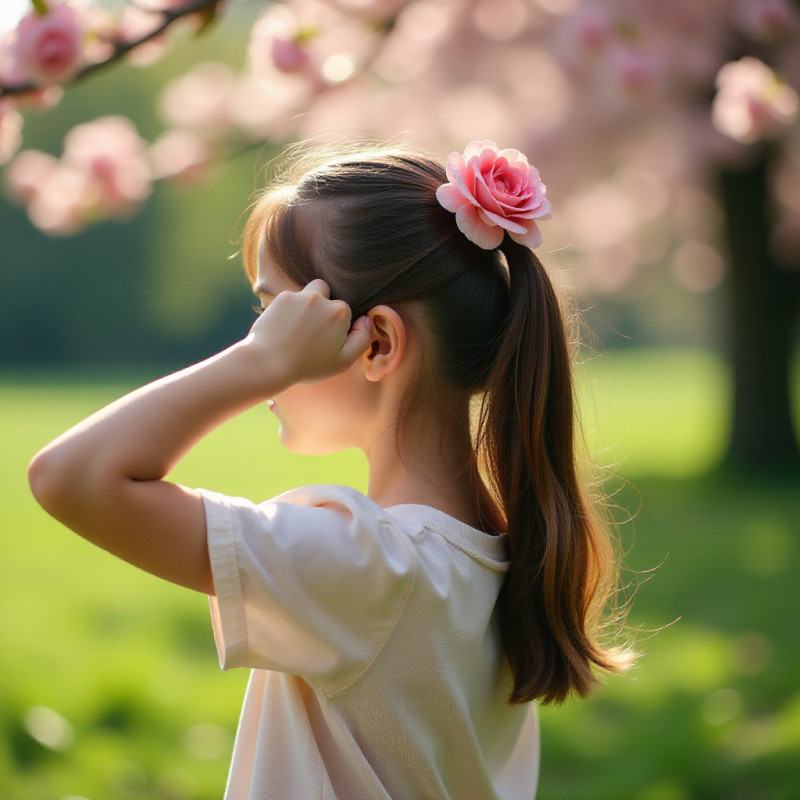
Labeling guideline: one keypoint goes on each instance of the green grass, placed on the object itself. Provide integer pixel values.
(142, 711)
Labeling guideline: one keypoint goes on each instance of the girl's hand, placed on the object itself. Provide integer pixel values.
(305, 336)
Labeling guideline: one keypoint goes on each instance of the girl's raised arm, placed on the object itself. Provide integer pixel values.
(104, 478)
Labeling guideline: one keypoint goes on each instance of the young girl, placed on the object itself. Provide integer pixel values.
(397, 638)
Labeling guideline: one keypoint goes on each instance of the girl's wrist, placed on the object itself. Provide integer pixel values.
(264, 373)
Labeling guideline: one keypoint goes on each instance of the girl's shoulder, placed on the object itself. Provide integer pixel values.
(320, 517)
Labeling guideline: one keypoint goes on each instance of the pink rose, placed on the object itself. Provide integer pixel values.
(492, 191)
(48, 47)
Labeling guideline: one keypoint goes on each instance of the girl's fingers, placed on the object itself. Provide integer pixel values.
(358, 340)
(318, 285)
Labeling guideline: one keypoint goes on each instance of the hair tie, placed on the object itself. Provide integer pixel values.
(492, 191)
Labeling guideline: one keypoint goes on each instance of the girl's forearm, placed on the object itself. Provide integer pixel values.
(143, 435)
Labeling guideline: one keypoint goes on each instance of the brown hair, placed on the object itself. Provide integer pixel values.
(496, 332)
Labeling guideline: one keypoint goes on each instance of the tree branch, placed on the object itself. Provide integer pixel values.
(121, 49)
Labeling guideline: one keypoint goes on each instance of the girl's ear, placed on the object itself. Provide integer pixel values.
(387, 345)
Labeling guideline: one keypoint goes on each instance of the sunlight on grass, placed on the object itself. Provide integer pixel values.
(103, 665)
(656, 412)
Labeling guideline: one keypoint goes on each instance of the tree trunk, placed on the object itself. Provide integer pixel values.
(762, 323)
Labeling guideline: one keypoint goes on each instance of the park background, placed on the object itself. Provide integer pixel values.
(109, 686)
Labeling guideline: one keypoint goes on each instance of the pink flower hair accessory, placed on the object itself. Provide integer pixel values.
(492, 191)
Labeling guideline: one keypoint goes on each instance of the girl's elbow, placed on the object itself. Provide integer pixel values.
(51, 480)
(42, 479)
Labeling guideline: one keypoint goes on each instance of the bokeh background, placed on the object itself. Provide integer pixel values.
(675, 226)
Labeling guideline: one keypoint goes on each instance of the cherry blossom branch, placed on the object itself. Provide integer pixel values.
(121, 49)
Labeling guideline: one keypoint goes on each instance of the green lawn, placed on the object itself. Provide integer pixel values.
(109, 686)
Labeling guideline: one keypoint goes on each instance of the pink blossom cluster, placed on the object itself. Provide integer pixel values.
(106, 169)
(103, 172)
(297, 53)
(611, 97)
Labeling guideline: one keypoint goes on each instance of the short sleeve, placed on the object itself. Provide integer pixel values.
(309, 583)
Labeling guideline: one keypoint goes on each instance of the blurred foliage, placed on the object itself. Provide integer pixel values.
(160, 288)
(109, 686)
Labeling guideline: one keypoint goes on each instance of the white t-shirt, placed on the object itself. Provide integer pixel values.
(377, 666)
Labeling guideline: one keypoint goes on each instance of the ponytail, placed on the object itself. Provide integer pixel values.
(553, 597)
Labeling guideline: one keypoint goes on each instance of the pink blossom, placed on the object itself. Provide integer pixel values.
(42, 98)
(10, 73)
(310, 40)
(114, 156)
(58, 197)
(10, 131)
(492, 191)
(200, 99)
(752, 102)
(48, 48)
(180, 156)
(64, 202)
(103, 25)
(288, 55)
(135, 23)
(277, 41)
(102, 172)
(27, 173)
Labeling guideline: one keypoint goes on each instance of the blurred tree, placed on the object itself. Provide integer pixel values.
(765, 297)
(667, 128)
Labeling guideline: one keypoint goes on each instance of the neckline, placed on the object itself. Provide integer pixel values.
(477, 542)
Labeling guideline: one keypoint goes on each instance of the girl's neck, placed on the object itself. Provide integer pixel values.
(433, 468)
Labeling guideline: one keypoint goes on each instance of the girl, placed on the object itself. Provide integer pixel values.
(396, 638)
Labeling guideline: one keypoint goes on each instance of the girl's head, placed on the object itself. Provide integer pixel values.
(369, 224)
(489, 326)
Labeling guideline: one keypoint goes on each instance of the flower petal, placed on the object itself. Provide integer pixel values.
(474, 149)
(534, 179)
(451, 197)
(485, 196)
(477, 231)
(514, 157)
(463, 177)
(544, 211)
(454, 165)
(531, 238)
(487, 159)
(505, 222)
